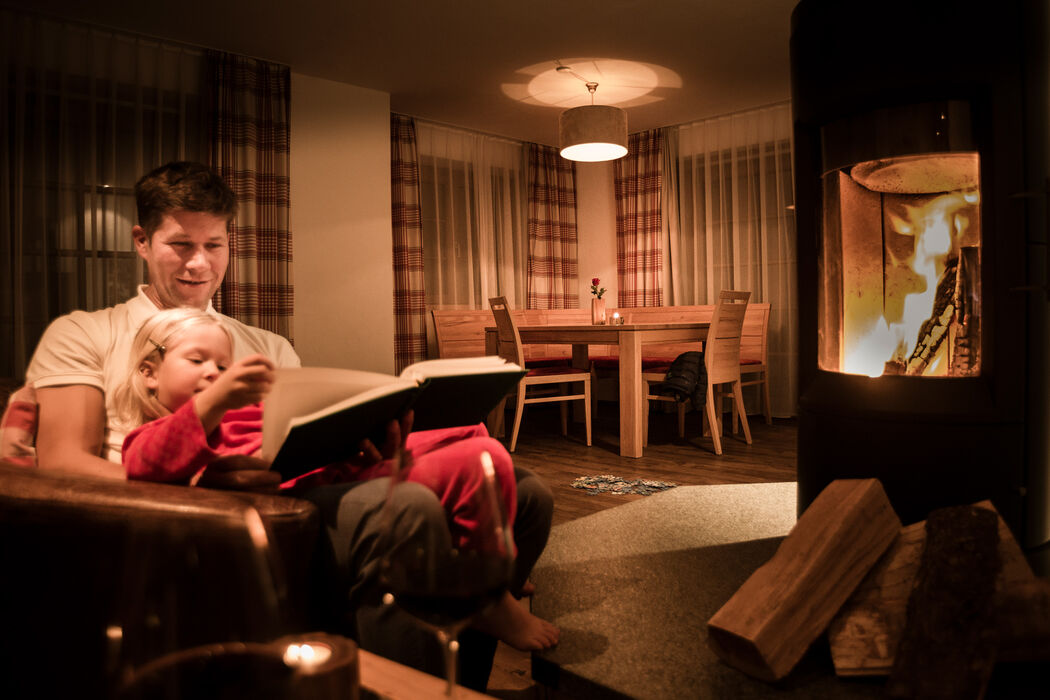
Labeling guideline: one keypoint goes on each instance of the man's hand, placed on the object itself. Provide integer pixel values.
(247, 381)
(240, 473)
(396, 434)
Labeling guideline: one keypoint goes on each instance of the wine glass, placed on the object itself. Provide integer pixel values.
(458, 575)
(196, 592)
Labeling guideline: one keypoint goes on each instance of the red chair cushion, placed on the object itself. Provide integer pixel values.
(613, 362)
(548, 362)
(749, 361)
(552, 371)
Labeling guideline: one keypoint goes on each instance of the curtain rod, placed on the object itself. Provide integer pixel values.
(117, 31)
(507, 139)
(446, 125)
(735, 113)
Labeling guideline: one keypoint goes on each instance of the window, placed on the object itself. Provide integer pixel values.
(86, 112)
(473, 201)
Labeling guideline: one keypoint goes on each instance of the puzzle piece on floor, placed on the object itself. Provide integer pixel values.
(607, 483)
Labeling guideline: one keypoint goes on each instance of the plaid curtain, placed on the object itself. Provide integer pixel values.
(249, 148)
(639, 255)
(552, 230)
(410, 335)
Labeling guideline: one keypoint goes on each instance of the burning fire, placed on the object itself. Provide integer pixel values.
(937, 228)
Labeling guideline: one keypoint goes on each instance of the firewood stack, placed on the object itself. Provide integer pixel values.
(933, 606)
(954, 319)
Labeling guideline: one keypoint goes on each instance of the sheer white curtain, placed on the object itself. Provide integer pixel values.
(473, 199)
(736, 227)
(83, 113)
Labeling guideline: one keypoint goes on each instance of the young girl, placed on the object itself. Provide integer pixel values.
(194, 407)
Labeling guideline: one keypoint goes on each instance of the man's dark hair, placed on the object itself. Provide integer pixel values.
(182, 185)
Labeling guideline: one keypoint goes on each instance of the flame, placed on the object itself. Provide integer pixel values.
(869, 357)
(937, 227)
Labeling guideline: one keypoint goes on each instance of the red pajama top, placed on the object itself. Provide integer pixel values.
(174, 448)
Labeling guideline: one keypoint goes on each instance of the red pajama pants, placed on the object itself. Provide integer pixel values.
(447, 461)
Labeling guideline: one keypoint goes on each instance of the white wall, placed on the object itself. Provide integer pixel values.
(341, 230)
(596, 230)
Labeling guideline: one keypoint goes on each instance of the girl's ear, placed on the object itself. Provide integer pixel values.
(149, 373)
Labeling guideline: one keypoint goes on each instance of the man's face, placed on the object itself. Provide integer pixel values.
(186, 257)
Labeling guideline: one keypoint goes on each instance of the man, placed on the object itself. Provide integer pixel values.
(184, 211)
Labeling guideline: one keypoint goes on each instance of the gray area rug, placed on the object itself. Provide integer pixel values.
(632, 588)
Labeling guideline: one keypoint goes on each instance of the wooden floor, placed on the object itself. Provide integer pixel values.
(559, 460)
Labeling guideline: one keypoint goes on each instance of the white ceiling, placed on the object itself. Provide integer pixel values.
(489, 65)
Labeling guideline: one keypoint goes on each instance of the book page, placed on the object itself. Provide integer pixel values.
(316, 416)
(453, 366)
(460, 390)
(303, 394)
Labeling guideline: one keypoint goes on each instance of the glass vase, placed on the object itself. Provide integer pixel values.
(598, 311)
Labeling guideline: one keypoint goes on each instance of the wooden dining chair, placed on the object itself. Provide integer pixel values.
(722, 362)
(754, 351)
(552, 378)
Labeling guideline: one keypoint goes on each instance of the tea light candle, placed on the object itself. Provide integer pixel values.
(616, 318)
(307, 654)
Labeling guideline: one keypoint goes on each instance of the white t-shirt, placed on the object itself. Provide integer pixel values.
(94, 348)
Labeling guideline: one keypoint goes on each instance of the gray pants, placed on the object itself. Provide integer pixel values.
(349, 590)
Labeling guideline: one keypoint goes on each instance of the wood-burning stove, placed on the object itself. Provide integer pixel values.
(921, 142)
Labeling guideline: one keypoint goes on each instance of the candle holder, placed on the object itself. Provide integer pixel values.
(317, 665)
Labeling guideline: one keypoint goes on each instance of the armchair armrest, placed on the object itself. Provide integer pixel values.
(101, 574)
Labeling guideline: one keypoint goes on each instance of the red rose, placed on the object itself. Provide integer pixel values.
(595, 281)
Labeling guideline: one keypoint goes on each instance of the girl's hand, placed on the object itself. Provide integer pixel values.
(247, 381)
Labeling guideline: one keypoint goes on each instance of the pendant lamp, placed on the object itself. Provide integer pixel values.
(593, 132)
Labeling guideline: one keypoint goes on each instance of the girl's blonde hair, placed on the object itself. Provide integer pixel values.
(133, 402)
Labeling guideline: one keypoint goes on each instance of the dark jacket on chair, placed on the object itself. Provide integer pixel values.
(686, 378)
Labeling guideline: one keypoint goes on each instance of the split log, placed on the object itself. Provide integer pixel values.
(773, 618)
(934, 330)
(966, 328)
(948, 646)
(865, 634)
(1022, 619)
(894, 367)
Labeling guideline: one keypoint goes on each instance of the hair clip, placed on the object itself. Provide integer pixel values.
(160, 348)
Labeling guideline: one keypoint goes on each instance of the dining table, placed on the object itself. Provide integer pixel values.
(629, 338)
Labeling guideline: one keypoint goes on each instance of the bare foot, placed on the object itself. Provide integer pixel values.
(509, 622)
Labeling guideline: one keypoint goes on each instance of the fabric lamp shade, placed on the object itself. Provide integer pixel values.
(593, 133)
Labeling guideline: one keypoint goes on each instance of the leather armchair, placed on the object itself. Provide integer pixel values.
(99, 576)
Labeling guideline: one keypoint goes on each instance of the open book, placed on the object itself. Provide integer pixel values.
(315, 416)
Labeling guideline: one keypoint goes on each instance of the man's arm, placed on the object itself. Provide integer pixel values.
(71, 429)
